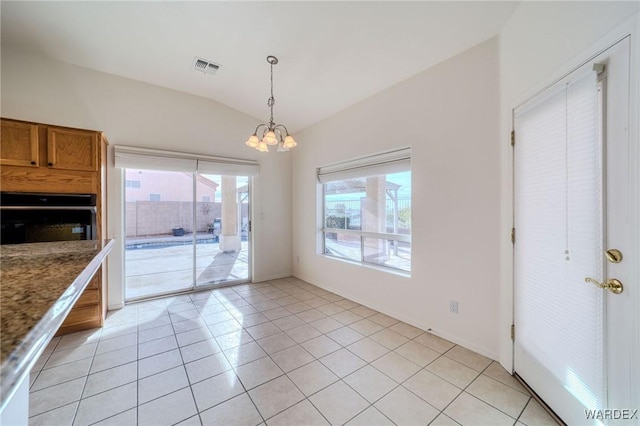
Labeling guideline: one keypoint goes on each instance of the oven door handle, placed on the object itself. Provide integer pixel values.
(89, 208)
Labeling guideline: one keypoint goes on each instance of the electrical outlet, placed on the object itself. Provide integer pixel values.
(298, 259)
(453, 306)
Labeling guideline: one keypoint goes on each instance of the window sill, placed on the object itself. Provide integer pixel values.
(398, 272)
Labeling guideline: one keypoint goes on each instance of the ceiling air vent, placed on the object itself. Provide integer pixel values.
(205, 66)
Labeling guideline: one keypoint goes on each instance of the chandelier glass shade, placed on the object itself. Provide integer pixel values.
(270, 134)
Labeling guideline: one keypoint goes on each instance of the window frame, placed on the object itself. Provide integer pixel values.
(362, 235)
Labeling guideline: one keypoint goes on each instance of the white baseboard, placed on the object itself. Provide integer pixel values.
(271, 277)
(466, 344)
(115, 306)
(400, 316)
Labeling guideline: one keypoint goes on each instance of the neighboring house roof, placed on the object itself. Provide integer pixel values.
(206, 181)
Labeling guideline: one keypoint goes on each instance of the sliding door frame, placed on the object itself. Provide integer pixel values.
(194, 287)
(248, 279)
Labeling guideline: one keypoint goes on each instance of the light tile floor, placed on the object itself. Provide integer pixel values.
(282, 352)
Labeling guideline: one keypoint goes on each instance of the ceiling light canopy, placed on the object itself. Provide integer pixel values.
(271, 133)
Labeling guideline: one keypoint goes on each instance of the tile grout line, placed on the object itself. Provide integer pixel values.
(86, 378)
(318, 359)
(398, 384)
(184, 367)
(464, 390)
(255, 387)
(523, 408)
(417, 372)
(482, 373)
(284, 373)
(233, 369)
(340, 379)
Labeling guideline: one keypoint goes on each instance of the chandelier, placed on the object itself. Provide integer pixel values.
(271, 133)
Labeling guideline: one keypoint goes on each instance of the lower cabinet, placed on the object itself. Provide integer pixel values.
(87, 313)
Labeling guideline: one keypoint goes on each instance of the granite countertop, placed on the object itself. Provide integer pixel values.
(40, 284)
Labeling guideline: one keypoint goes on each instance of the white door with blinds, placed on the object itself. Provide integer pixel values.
(570, 179)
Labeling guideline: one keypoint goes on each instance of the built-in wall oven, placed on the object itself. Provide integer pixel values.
(31, 217)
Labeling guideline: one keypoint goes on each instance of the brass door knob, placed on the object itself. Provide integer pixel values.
(613, 285)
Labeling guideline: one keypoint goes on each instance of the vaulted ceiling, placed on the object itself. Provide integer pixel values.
(332, 54)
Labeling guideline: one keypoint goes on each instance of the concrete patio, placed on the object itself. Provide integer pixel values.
(352, 250)
(159, 265)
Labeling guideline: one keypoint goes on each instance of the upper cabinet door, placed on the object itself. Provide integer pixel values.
(72, 149)
(19, 144)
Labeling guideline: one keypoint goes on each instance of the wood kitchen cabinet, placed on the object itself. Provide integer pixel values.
(43, 158)
(51, 159)
(71, 149)
(32, 145)
(20, 145)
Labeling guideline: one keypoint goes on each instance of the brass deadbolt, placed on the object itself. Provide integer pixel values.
(614, 255)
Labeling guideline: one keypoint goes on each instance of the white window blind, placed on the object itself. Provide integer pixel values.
(395, 161)
(147, 159)
(152, 159)
(229, 167)
(558, 219)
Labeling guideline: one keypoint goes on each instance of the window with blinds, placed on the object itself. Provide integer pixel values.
(367, 209)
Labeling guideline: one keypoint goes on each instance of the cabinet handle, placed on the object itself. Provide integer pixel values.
(33, 163)
(50, 164)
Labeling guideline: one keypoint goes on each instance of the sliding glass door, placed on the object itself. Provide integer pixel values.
(159, 232)
(184, 231)
(222, 256)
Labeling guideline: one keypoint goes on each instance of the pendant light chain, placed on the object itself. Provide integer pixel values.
(271, 100)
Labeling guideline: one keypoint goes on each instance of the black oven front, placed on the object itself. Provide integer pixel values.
(30, 217)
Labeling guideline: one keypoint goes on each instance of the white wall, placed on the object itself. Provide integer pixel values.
(143, 115)
(449, 116)
(539, 43)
